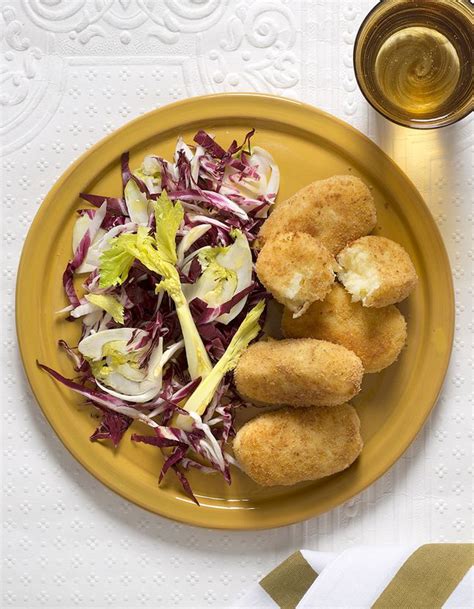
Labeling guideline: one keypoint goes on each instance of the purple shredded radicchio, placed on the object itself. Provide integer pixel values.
(216, 186)
(115, 205)
(128, 175)
(210, 314)
(112, 427)
(80, 255)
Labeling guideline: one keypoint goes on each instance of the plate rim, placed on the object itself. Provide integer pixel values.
(196, 519)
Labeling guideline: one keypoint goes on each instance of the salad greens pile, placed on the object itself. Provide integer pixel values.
(170, 298)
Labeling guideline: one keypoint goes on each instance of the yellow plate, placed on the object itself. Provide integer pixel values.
(307, 145)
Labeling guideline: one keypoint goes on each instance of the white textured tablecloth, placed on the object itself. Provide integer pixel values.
(75, 70)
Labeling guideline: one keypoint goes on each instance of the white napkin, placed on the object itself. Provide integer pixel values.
(355, 579)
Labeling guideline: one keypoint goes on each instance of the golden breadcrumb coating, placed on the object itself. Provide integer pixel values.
(377, 336)
(298, 372)
(334, 211)
(296, 269)
(376, 271)
(290, 445)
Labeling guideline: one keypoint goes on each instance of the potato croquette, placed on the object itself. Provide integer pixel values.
(334, 211)
(288, 446)
(296, 269)
(376, 271)
(302, 372)
(376, 335)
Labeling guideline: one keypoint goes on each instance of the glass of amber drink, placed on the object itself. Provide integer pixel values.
(413, 61)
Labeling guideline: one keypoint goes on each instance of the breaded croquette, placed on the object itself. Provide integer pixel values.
(334, 211)
(302, 372)
(296, 269)
(376, 335)
(376, 271)
(288, 446)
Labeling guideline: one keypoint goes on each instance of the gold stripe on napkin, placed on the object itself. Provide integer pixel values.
(289, 582)
(428, 577)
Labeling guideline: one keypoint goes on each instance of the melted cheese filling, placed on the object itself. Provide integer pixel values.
(358, 274)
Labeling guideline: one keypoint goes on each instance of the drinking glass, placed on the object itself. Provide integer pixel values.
(413, 61)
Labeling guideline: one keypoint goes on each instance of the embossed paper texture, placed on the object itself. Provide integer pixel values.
(72, 71)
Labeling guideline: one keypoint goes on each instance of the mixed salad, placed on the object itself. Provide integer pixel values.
(170, 299)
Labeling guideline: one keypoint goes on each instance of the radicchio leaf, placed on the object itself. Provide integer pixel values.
(209, 144)
(185, 484)
(115, 205)
(80, 255)
(112, 427)
(128, 175)
(210, 314)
